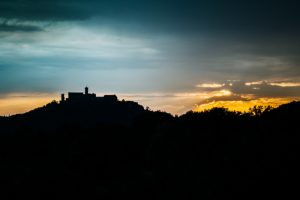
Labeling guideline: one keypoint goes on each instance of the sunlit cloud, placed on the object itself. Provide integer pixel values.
(254, 83)
(273, 83)
(223, 93)
(285, 84)
(210, 85)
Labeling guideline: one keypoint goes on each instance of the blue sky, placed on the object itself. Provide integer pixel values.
(170, 55)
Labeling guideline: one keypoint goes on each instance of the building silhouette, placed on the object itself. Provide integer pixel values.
(86, 96)
(86, 90)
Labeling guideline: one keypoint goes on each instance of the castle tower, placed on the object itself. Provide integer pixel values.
(62, 97)
(86, 90)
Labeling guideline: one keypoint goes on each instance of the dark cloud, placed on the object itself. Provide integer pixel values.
(49, 10)
(247, 93)
(16, 28)
(234, 97)
(216, 15)
(266, 90)
(241, 91)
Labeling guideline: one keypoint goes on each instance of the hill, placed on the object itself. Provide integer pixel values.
(89, 114)
(119, 149)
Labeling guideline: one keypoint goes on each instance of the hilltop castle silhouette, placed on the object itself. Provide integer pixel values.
(86, 96)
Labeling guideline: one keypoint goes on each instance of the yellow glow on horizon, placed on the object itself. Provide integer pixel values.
(21, 103)
(177, 103)
(243, 105)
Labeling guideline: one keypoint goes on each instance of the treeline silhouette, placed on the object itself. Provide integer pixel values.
(118, 150)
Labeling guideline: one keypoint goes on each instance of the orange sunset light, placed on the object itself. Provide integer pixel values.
(20, 103)
(243, 105)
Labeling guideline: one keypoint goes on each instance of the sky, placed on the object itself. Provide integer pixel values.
(170, 55)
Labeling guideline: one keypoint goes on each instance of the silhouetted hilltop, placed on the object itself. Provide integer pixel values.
(117, 149)
(82, 110)
(114, 112)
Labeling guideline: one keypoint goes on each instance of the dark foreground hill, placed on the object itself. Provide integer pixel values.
(55, 117)
(122, 150)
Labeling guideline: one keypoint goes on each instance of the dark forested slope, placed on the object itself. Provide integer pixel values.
(122, 150)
